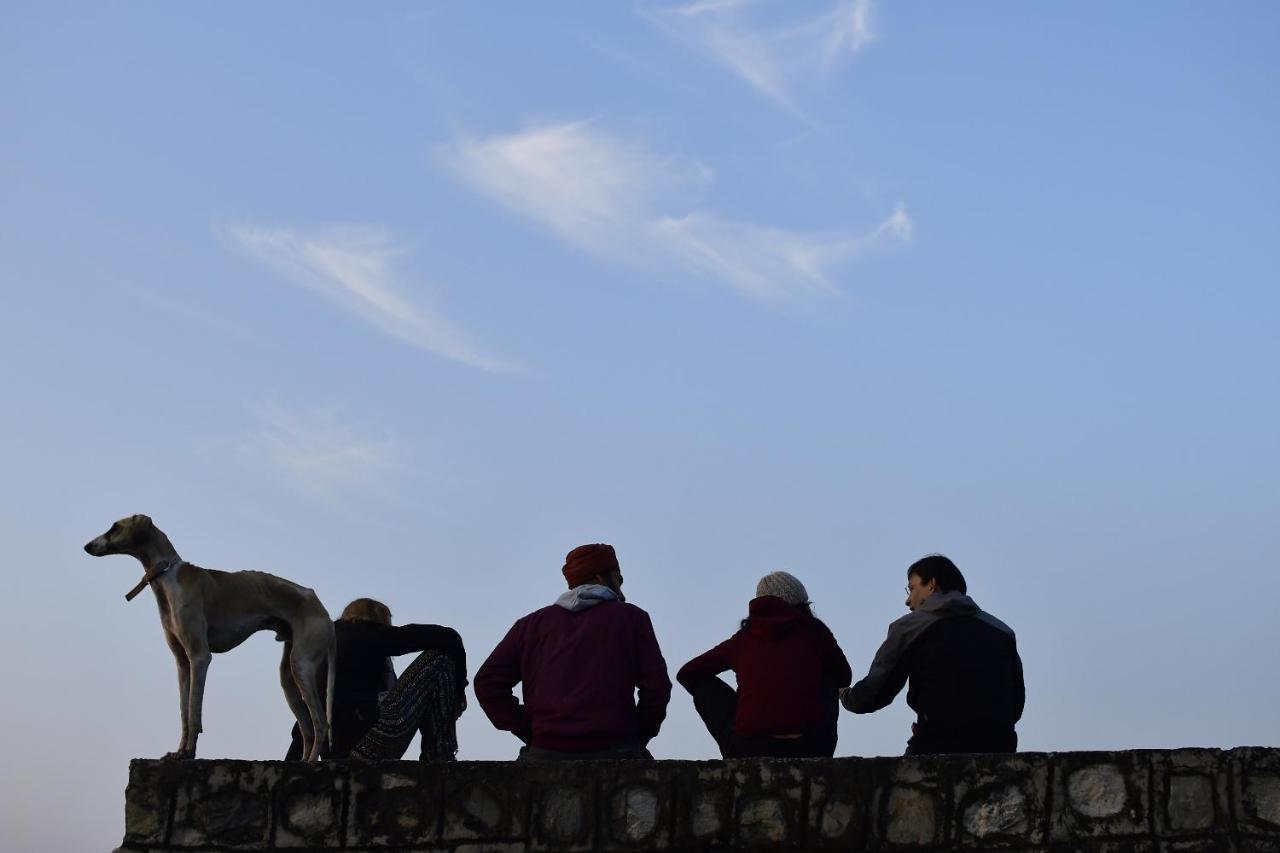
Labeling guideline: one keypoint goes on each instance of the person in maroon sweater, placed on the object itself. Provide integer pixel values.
(789, 669)
(582, 662)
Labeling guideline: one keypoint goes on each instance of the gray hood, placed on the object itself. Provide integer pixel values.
(949, 604)
(959, 604)
(586, 596)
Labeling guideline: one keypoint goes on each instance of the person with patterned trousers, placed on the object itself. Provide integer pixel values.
(594, 680)
(376, 714)
(789, 669)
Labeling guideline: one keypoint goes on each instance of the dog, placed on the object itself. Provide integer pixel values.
(205, 611)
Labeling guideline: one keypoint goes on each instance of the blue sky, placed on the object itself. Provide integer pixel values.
(406, 301)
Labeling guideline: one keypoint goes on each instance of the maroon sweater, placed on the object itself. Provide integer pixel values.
(783, 659)
(580, 673)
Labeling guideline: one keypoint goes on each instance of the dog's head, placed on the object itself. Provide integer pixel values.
(126, 536)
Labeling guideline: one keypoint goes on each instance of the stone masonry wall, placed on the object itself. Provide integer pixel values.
(1121, 802)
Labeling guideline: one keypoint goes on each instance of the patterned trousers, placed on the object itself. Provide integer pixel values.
(424, 699)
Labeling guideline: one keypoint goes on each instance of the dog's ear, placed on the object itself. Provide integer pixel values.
(141, 520)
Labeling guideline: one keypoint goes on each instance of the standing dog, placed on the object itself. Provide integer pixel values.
(205, 611)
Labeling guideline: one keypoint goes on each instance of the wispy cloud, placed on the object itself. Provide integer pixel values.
(355, 267)
(616, 199)
(318, 455)
(776, 57)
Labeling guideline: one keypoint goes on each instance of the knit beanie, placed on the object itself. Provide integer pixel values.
(582, 564)
(784, 586)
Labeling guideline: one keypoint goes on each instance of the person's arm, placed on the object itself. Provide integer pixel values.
(495, 681)
(885, 679)
(396, 640)
(707, 665)
(1019, 688)
(652, 683)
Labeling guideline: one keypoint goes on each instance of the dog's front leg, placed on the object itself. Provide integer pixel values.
(184, 693)
(199, 657)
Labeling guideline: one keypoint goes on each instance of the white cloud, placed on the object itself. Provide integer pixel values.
(615, 199)
(318, 455)
(585, 186)
(356, 268)
(775, 58)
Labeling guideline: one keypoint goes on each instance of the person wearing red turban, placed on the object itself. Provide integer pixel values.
(594, 680)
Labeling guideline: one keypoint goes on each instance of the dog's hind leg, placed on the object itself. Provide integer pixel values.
(294, 698)
(306, 664)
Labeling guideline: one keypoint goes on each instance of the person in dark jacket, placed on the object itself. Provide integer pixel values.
(962, 663)
(376, 714)
(594, 681)
(789, 669)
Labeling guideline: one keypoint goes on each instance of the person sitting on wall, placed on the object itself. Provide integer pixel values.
(963, 665)
(376, 714)
(582, 661)
(789, 668)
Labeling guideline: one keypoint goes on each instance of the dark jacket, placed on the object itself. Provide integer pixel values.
(965, 673)
(581, 665)
(362, 671)
(786, 662)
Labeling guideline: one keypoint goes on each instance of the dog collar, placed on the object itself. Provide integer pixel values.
(148, 577)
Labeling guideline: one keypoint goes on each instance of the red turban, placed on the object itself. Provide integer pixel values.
(582, 564)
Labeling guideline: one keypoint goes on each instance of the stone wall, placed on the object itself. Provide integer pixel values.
(1126, 802)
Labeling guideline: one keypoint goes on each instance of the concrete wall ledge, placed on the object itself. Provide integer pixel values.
(1141, 801)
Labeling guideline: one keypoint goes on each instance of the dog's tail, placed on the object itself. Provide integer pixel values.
(332, 668)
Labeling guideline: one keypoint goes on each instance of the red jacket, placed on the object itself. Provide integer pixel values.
(581, 672)
(783, 659)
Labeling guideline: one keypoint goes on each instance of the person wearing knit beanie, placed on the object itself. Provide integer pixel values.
(788, 669)
(783, 585)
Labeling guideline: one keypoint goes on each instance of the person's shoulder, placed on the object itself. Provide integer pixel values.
(912, 619)
(631, 610)
(908, 627)
(988, 619)
(542, 614)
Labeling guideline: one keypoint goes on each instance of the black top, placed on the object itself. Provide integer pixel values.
(966, 677)
(362, 673)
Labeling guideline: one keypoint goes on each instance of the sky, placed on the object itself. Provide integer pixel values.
(407, 300)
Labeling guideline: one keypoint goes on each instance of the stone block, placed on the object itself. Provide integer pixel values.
(563, 814)
(1191, 792)
(486, 801)
(1221, 844)
(912, 803)
(704, 805)
(638, 798)
(395, 804)
(768, 799)
(841, 792)
(308, 804)
(1001, 801)
(148, 800)
(1138, 845)
(1256, 773)
(223, 803)
(1100, 795)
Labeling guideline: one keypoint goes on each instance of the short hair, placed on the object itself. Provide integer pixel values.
(936, 567)
(366, 610)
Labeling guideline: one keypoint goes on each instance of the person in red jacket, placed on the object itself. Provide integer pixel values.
(789, 670)
(595, 682)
